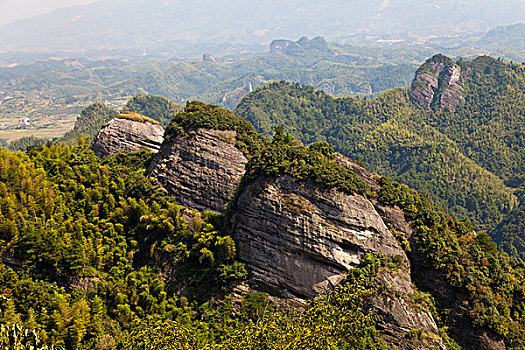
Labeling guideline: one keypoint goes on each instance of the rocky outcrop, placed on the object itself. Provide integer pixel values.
(304, 239)
(208, 58)
(299, 239)
(461, 327)
(201, 168)
(438, 83)
(128, 134)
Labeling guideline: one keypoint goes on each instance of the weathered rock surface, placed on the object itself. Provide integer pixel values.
(461, 327)
(201, 168)
(438, 83)
(124, 135)
(304, 238)
(301, 239)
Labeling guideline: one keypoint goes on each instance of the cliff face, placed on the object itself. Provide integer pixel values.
(300, 238)
(201, 168)
(125, 135)
(438, 84)
(304, 239)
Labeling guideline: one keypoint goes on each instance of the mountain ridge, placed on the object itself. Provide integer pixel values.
(429, 136)
(134, 24)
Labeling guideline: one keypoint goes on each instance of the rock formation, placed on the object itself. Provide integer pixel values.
(128, 132)
(201, 168)
(438, 83)
(208, 58)
(301, 238)
(202, 159)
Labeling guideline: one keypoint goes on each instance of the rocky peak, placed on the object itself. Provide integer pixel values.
(201, 169)
(438, 84)
(208, 58)
(300, 236)
(202, 159)
(280, 45)
(128, 132)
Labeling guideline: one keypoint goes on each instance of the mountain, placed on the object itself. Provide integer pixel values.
(175, 26)
(504, 37)
(312, 250)
(53, 92)
(457, 134)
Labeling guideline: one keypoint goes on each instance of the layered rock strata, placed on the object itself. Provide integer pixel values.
(300, 239)
(125, 135)
(438, 83)
(202, 168)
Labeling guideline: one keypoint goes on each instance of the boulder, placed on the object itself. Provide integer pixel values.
(128, 132)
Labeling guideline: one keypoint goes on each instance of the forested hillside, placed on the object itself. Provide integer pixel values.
(85, 242)
(470, 158)
(52, 93)
(96, 256)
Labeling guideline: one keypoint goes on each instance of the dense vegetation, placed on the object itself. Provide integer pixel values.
(315, 162)
(155, 107)
(468, 263)
(491, 280)
(90, 121)
(94, 257)
(23, 143)
(82, 235)
(470, 161)
(201, 115)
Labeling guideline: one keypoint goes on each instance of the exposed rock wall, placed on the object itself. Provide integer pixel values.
(460, 324)
(301, 239)
(201, 168)
(438, 83)
(123, 135)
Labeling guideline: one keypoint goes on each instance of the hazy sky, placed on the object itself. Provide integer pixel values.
(11, 10)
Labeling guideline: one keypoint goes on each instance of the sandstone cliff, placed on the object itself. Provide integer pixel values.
(128, 132)
(438, 84)
(301, 235)
(202, 159)
(300, 238)
(202, 169)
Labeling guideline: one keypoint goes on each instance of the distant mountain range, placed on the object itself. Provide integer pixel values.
(184, 28)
